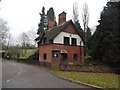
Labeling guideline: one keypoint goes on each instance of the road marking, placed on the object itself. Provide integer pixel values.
(15, 75)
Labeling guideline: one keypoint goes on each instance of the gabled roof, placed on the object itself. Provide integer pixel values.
(52, 33)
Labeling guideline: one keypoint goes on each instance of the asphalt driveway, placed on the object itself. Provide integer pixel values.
(18, 75)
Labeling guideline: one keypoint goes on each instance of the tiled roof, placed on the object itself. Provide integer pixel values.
(52, 33)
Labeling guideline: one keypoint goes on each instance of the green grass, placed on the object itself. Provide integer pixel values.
(24, 55)
(105, 80)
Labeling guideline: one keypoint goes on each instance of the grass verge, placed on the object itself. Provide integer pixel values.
(105, 80)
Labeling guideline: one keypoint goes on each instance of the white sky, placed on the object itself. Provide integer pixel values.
(23, 15)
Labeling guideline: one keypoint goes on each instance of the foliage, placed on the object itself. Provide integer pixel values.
(87, 31)
(105, 80)
(28, 52)
(75, 12)
(88, 59)
(43, 22)
(43, 25)
(17, 53)
(51, 15)
(105, 44)
(85, 16)
(3, 32)
(88, 40)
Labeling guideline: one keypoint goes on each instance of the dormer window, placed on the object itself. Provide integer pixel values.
(74, 41)
(66, 40)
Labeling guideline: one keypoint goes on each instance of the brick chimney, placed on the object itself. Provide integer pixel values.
(62, 18)
(50, 24)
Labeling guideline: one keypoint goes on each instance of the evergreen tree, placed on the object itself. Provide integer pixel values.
(88, 40)
(51, 15)
(105, 40)
(43, 22)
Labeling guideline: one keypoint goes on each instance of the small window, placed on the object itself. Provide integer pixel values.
(66, 40)
(54, 54)
(45, 40)
(74, 41)
(75, 57)
(45, 56)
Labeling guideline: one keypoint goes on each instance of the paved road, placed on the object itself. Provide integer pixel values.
(17, 75)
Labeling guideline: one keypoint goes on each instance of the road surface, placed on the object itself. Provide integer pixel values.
(18, 75)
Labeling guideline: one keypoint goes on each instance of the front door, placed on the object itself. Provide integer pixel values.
(64, 57)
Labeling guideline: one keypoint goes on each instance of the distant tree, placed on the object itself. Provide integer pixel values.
(85, 16)
(75, 12)
(43, 21)
(3, 32)
(106, 39)
(31, 34)
(24, 42)
(75, 18)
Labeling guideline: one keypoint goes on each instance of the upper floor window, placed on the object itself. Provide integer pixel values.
(74, 41)
(66, 40)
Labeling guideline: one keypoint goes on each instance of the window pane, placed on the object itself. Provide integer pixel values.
(66, 40)
(54, 54)
(74, 41)
(45, 56)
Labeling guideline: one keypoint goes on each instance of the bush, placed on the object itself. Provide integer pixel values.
(88, 59)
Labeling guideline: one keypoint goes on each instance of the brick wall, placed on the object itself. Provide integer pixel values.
(55, 62)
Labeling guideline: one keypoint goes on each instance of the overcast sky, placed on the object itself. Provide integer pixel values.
(23, 15)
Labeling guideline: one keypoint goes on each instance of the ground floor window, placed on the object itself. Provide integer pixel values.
(45, 56)
(55, 54)
(75, 57)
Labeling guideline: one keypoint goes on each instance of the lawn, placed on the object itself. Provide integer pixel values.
(25, 54)
(105, 80)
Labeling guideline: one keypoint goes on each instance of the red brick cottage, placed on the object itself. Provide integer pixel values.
(62, 43)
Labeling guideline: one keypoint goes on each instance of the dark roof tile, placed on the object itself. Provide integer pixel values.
(52, 33)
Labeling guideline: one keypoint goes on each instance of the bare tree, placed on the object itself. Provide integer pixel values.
(24, 42)
(75, 12)
(85, 16)
(3, 32)
(32, 35)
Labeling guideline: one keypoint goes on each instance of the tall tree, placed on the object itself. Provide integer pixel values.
(106, 39)
(51, 15)
(43, 22)
(85, 16)
(88, 40)
(24, 42)
(3, 32)
(87, 32)
(75, 12)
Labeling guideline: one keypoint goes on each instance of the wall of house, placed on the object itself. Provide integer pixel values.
(71, 50)
(60, 38)
(45, 49)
